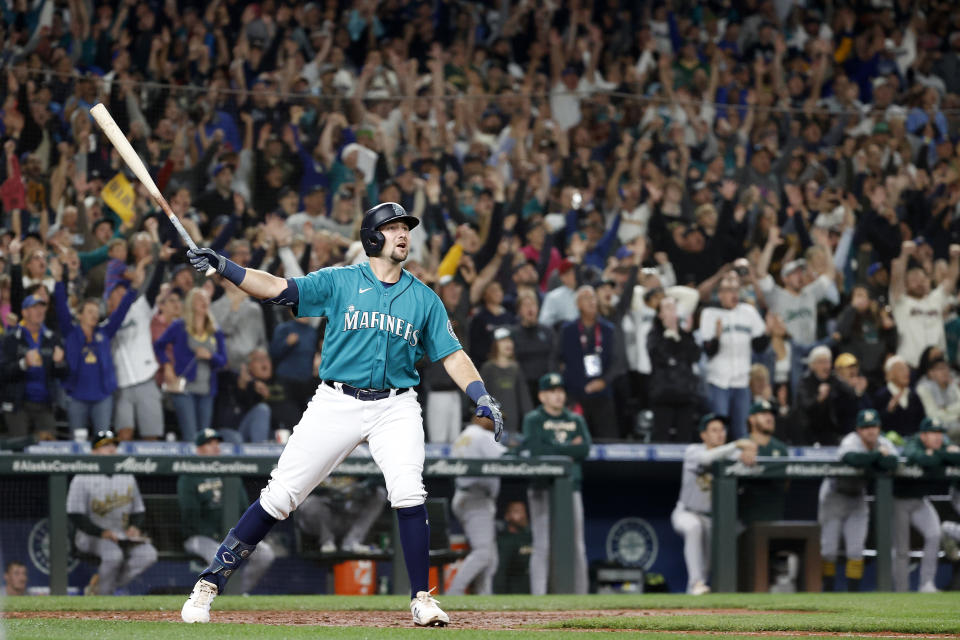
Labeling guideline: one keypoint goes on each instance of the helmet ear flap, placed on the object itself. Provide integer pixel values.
(372, 240)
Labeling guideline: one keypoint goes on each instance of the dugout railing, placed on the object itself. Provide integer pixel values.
(728, 475)
(59, 469)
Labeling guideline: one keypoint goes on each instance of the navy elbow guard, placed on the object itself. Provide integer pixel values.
(290, 297)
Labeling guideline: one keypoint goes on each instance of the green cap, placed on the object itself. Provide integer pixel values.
(761, 406)
(868, 418)
(710, 417)
(206, 436)
(931, 424)
(550, 381)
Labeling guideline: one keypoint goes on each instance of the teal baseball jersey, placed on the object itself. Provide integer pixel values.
(375, 334)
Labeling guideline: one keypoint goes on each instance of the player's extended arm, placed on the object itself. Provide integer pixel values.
(461, 369)
(259, 284)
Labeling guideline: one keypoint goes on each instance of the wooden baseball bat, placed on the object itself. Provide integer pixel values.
(120, 142)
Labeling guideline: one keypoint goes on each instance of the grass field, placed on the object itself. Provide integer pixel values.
(772, 615)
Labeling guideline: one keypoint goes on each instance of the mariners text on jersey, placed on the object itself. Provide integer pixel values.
(354, 320)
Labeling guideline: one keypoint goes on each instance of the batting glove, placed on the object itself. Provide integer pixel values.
(203, 258)
(487, 407)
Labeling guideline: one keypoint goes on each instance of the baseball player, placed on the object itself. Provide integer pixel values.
(843, 501)
(931, 450)
(475, 505)
(201, 500)
(763, 499)
(342, 505)
(552, 429)
(107, 512)
(691, 517)
(381, 320)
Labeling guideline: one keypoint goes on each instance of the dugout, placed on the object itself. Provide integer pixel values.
(34, 527)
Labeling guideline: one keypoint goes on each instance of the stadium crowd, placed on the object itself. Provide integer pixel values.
(684, 207)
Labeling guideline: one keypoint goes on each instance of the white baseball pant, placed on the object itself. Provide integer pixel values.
(696, 529)
(444, 417)
(331, 427)
(539, 503)
(919, 513)
(316, 516)
(476, 513)
(839, 513)
(118, 565)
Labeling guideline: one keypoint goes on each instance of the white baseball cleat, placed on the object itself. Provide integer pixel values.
(928, 587)
(197, 606)
(427, 612)
(699, 588)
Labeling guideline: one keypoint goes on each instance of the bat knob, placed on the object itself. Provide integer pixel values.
(210, 271)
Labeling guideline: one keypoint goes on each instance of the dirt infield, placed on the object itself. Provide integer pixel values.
(501, 620)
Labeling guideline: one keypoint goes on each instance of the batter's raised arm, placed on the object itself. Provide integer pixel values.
(254, 282)
(461, 369)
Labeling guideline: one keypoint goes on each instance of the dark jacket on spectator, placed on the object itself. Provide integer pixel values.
(572, 352)
(672, 378)
(295, 361)
(903, 421)
(533, 347)
(862, 335)
(828, 421)
(13, 378)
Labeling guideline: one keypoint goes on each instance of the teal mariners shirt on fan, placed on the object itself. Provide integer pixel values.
(375, 334)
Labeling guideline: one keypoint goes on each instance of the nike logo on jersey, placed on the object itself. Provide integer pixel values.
(354, 320)
(365, 290)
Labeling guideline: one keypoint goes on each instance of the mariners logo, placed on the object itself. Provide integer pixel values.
(38, 546)
(632, 542)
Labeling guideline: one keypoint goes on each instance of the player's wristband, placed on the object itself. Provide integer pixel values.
(233, 272)
(476, 390)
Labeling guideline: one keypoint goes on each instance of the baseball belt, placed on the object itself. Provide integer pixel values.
(364, 394)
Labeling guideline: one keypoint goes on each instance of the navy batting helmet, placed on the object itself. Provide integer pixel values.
(378, 216)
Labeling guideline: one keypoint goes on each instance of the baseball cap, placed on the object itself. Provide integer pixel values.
(710, 417)
(624, 252)
(206, 436)
(565, 265)
(792, 266)
(550, 381)
(102, 438)
(30, 301)
(873, 268)
(868, 418)
(761, 406)
(500, 333)
(845, 360)
(931, 424)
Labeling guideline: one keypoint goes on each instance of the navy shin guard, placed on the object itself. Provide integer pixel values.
(230, 556)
